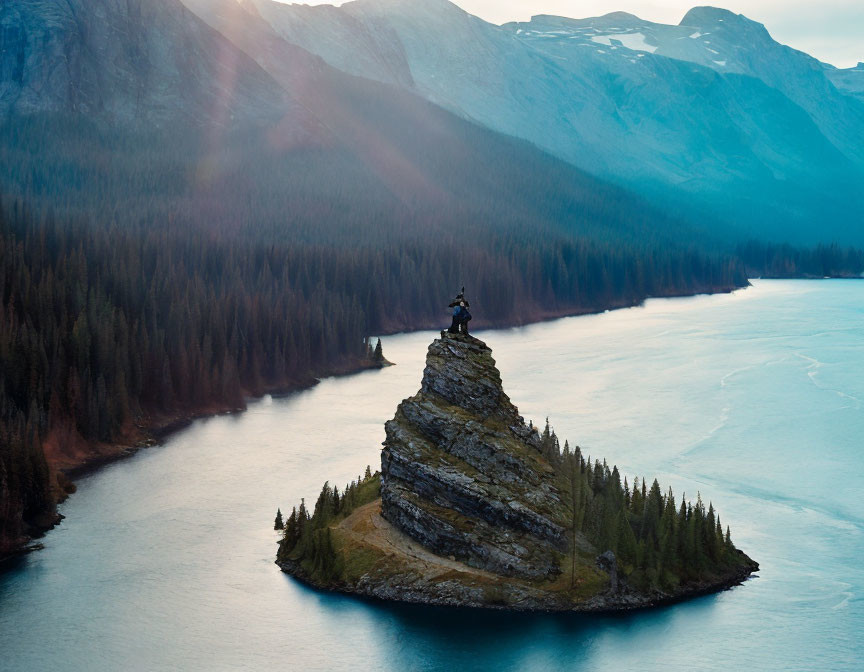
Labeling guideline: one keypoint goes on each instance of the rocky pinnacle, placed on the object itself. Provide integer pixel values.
(462, 473)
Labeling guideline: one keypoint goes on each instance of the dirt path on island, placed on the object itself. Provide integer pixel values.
(366, 526)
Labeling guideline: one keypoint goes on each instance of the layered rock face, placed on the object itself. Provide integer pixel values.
(462, 474)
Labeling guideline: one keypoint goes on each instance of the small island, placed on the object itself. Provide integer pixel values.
(475, 507)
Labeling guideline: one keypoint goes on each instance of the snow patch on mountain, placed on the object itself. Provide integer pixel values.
(633, 41)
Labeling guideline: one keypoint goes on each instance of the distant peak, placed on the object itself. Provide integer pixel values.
(620, 16)
(702, 16)
(718, 19)
(707, 14)
(550, 18)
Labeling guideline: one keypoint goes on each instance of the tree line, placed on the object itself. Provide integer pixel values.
(657, 542)
(772, 260)
(307, 537)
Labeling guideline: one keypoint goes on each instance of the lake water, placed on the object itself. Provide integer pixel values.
(165, 560)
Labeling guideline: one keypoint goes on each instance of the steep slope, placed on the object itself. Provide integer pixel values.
(720, 40)
(779, 103)
(477, 508)
(121, 61)
(600, 94)
(711, 134)
(228, 124)
(738, 44)
(848, 80)
(341, 38)
(462, 472)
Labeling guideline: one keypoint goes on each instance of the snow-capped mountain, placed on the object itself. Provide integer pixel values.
(713, 110)
(718, 39)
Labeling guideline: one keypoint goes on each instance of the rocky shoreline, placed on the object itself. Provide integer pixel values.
(454, 595)
(406, 572)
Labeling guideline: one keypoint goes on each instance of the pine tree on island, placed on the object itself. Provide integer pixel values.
(378, 355)
(278, 524)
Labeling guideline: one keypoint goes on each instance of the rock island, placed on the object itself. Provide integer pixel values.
(475, 507)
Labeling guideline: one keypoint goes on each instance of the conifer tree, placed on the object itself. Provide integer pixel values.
(302, 518)
(278, 524)
(636, 500)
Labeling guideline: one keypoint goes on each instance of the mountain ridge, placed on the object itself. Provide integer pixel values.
(71, 58)
(734, 145)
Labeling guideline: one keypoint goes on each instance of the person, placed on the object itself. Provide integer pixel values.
(460, 314)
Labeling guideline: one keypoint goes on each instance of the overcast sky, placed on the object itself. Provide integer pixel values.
(830, 30)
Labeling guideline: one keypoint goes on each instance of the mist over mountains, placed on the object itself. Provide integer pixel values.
(144, 111)
(402, 108)
(713, 111)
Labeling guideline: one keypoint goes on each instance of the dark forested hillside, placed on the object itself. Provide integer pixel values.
(784, 261)
(107, 329)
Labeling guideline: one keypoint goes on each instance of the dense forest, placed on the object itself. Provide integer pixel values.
(107, 329)
(658, 543)
(784, 261)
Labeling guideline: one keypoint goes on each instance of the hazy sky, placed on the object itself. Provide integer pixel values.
(831, 30)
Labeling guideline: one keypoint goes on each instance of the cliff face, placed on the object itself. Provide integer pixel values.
(126, 61)
(462, 473)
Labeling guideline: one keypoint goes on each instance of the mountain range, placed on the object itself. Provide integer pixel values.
(709, 126)
(162, 111)
(761, 136)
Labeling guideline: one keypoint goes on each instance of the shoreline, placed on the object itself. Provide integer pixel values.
(147, 435)
(603, 603)
(154, 433)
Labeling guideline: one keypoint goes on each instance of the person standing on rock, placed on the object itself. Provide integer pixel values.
(460, 314)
